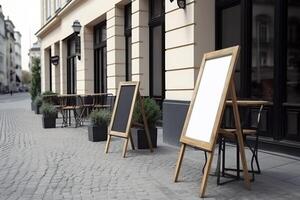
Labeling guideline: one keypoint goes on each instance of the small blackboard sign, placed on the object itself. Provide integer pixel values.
(123, 108)
(121, 120)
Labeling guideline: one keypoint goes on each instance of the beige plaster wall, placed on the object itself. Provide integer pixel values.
(189, 33)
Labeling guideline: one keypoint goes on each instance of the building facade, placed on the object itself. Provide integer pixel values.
(34, 52)
(10, 55)
(3, 70)
(161, 45)
(18, 58)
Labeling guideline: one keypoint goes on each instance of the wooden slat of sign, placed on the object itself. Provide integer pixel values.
(207, 107)
(121, 121)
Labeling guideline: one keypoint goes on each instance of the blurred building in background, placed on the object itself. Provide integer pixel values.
(18, 59)
(10, 55)
(34, 52)
(3, 70)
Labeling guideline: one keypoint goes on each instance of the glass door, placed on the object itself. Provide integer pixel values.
(249, 24)
(292, 87)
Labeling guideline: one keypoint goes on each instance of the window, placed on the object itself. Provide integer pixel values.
(100, 51)
(157, 51)
(50, 71)
(262, 27)
(293, 54)
(71, 66)
(48, 9)
(127, 33)
(262, 50)
(57, 4)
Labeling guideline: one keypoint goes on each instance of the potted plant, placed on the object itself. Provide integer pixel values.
(32, 104)
(153, 113)
(49, 115)
(38, 101)
(35, 88)
(97, 130)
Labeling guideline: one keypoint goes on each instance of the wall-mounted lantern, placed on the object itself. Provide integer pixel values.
(76, 28)
(55, 60)
(180, 3)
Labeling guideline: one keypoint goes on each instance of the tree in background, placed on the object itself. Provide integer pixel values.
(26, 77)
(36, 78)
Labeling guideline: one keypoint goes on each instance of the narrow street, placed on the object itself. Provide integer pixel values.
(61, 163)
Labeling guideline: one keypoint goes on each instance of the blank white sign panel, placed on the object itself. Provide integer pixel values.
(207, 101)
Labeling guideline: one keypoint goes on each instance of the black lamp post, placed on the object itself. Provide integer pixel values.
(76, 28)
(180, 3)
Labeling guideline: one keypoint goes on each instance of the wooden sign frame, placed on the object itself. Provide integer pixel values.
(209, 146)
(127, 133)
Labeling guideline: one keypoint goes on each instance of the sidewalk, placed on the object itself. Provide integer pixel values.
(61, 163)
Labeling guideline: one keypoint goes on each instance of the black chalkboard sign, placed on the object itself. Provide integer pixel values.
(128, 94)
(123, 108)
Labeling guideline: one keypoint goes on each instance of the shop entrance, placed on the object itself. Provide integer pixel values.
(269, 66)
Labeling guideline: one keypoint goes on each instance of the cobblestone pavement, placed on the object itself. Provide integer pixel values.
(61, 163)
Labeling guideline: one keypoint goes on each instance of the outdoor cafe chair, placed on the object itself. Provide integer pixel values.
(72, 103)
(87, 104)
(231, 135)
(102, 101)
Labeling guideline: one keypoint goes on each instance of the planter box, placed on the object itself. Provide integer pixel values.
(32, 106)
(140, 139)
(49, 122)
(97, 133)
(37, 109)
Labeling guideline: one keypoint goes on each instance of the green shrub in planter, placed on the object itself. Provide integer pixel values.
(46, 96)
(48, 93)
(35, 88)
(153, 114)
(49, 115)
(38, 101)
(97, 130)
(32, 104)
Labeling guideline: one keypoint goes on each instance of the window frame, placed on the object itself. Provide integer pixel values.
(155, 21)
(101, 75)
(128, 36)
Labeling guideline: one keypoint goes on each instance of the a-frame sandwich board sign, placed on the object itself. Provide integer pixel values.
(121, 120)
(200, 130)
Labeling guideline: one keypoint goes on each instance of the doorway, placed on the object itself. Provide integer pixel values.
(269, 68)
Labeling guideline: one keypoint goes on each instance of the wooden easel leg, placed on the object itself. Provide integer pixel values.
(125, 147)
(205, 175)
(146, 124)
(149, 139)
(240, 136)
(179, 161)
(244, 163)
(107, 143)
(131, 141)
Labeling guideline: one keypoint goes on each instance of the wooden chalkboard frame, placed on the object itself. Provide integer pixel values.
(118, 133)
(209, 146)
(127, 133)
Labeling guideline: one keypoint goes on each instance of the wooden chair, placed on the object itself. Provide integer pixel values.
(103, 101)
(88, 104)
(71, 103)
(230, 134)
